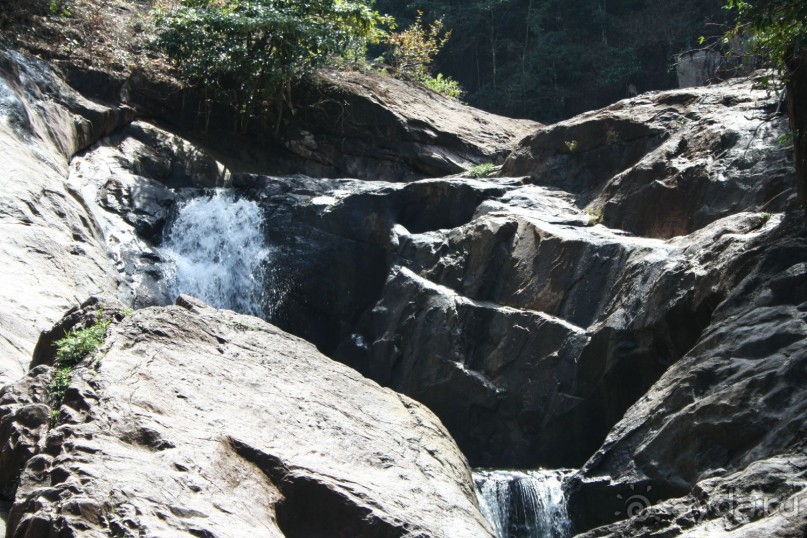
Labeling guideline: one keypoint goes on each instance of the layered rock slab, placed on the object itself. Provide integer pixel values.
(531, 339)
(665, 164)
(51, 249)
(204, 422)
(722, 432)
(370, 126)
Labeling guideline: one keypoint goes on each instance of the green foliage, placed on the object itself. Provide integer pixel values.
(572, 145)
(248, 52)
(412, 53)
(775, 30)
(481, 170)
(444, 86)
(550, 59)
(59, 8)
(77, 345)
(70, 351)
(414, 49)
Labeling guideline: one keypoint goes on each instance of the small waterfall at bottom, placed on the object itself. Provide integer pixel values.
(216, 251)
(524, 504)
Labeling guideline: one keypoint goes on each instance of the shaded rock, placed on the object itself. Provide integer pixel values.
(375, 127)
(580, 154)
(764, 499)
(333, 240)
(667, 164)
(733, 400)
(285, 442)
(51, 249)
(531, 339)
(24, 420)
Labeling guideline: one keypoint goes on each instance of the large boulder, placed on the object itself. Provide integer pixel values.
(192, 420)
(666, 164)
(531, 339)
(51, 249)
(370, 126)
(727, 417)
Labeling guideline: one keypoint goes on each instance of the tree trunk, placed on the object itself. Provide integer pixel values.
(797, 111)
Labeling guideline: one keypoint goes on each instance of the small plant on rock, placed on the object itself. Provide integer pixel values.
(595, 216)
(480, 170)
(572, 145)
(413, 51)
(76, 346)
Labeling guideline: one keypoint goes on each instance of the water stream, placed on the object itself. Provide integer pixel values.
(524, 504)
(216, 251)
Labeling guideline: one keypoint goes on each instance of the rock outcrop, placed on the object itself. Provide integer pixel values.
(726, 418)
(667, 164)
(628, 298)
(283, 442)
(526, 326)
(51, 250)
(377, 127)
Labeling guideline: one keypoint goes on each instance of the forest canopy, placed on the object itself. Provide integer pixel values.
(551, 59)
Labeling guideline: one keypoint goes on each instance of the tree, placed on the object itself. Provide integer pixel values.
(249, 52)
(777, 32)
(413, 51)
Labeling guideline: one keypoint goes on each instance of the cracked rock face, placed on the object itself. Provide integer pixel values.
(667, 164)
(51, 251)
(283, 441)
(726, 414)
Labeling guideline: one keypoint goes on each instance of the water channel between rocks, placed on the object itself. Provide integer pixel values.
(215, 249)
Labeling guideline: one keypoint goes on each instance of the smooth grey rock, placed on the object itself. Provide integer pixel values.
(51, 249)
(697, 68)
(283, 442)
(666, 164)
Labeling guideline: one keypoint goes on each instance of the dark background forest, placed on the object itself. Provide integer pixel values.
(551, 59)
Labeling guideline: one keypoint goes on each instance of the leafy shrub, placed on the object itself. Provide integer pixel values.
(248, 52)
(414, 49)
(59, 8)
(444, 86)
(76, 346)
(481, 170)
(413, 52)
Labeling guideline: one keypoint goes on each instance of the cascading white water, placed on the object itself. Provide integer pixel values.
(215, 250)
(527, 504)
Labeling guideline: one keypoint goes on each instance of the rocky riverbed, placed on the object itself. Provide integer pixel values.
(625, 296)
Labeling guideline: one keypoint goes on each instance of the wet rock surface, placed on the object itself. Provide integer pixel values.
(286, 442)
(630, 301)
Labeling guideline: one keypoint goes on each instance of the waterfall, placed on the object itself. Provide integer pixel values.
(216, 251)
(527, 504)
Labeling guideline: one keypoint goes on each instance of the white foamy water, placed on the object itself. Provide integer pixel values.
(527, 504)
(215, 250)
